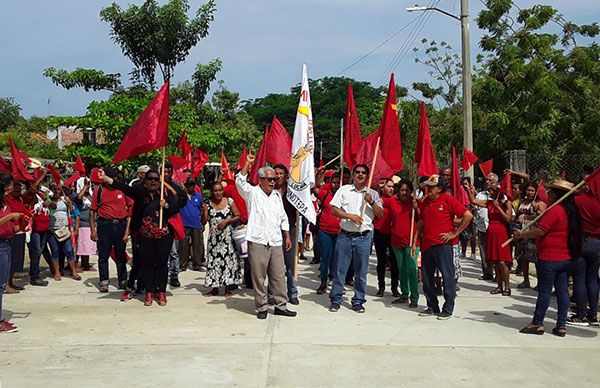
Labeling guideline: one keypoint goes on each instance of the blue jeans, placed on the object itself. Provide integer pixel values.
(327, 247)
(65, 247)
(110, 235)
(288, 258)
(36, 245)
(4, 268)
(585, 279)
(174, 261)
(353, 251)
(439, 257)
(552, 273)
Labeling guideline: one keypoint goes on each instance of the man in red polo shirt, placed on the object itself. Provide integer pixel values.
(108, 223)
(437, 232)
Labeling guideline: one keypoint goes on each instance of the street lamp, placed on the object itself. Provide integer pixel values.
(466, 69)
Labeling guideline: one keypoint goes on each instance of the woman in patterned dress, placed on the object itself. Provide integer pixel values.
(223, 267)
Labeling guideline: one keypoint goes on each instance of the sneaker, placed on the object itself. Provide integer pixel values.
(359, 308)
(593, 322)
(7, 327)
(428, 312)
(413, 305)
(103, 288)
(574, 320)
(334, 307)
(126, 296)
(444, 316)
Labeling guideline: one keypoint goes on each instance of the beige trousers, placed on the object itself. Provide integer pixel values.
(267, 261)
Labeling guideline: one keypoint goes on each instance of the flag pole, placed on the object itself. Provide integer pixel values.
(332, 160)
(373, 164)
(412, 226)
(162, 189)
(342, 150)
(295, 246)
(536, 219)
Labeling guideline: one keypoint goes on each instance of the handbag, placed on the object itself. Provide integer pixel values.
(62, 234)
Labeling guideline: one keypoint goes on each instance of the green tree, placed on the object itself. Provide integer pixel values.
(9, 113)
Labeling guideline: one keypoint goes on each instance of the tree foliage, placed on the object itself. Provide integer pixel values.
(88, 79)
(9, 113)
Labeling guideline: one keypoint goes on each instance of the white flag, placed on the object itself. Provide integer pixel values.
(302, 166)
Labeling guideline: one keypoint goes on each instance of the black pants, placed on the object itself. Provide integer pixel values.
(155, 261)
(383, 248)
(110, 235)
(136, 264)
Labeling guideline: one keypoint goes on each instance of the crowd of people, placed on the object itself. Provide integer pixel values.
(420, 232)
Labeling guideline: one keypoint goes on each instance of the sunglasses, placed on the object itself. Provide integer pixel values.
(153, 179)
(361, 172)
(270, 179)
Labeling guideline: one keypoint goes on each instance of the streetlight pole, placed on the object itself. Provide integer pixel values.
(466, 71)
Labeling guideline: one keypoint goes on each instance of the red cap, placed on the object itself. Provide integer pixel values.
(329, 173)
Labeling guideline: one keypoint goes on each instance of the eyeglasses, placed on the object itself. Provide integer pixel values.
(153, 179)
(269, 179)
(360, 172)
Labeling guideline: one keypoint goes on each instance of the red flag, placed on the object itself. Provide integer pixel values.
(261, 158)
(227, 174)
(5, 166)
(72, 179)
(242, 160)
(184, 145)
(506, 186)
(279, 145)
(593, 182)
(199, 160)
(457, 188)
(177, 162)
(352, 136)
(79, 167)
(150, 131)
(486, 167)
(56, 177)
(19, 171)
(541, 192)
(389, 130)
(365, 156)
(424, 154)
(468, 159)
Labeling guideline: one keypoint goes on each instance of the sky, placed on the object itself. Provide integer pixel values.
(262, 44)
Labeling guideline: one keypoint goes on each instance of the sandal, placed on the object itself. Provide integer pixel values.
(18, 288)
(559, 331)
(536, 329)
(10, 290)
(506, 292)
(524, 285)
(496, 291)
(75, 276)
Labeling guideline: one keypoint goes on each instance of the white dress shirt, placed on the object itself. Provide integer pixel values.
(266, 216)
(350, 200)
(481, 213)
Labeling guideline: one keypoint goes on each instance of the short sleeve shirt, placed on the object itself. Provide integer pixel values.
(351, 200)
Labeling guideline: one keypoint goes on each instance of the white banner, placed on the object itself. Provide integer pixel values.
(302, 166)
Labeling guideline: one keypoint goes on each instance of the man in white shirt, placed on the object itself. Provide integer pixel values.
(481, 224)
(266, 220)
(353, 245)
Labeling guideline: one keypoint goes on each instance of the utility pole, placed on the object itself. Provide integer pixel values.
(466, 78)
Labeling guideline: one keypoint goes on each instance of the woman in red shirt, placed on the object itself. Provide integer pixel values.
(329, 227)
(559, 238)
(403, 211)
(8, 226)
(500, 216)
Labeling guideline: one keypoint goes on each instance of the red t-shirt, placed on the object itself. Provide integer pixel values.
(231, 191)
(113, 203)
(328, 223)
(589, 210)
(553, 246)
(41, 216)
(383, 224)
(400, 216)
(438, 216)
(6, 229)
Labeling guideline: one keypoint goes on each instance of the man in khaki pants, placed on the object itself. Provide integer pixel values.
(266, 220)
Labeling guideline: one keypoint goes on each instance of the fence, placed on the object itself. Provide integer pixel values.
(571, 167)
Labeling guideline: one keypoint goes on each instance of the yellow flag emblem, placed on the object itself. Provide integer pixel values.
(394, 107)
(303, 110)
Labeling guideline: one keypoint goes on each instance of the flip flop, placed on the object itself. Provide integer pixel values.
(10, 290)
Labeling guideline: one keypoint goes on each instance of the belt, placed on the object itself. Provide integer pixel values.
(111, 220)
(589, 236)
(355, 234)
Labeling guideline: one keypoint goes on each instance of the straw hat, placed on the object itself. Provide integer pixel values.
(434, 180)
(396, 179)
(559, 184)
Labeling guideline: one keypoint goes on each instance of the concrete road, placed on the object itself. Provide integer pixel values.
(71, 335)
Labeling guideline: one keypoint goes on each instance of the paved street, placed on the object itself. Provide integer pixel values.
(71, 335)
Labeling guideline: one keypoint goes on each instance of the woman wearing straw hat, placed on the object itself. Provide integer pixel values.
(559, 239)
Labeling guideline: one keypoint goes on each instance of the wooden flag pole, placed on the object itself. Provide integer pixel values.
(295, 246)
(412, 226)
(373, 164)
(342, 151)
(162, 189)
(536, 219)
(332, 160)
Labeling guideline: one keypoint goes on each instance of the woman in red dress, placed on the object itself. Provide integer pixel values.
(500, 215)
